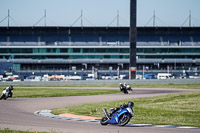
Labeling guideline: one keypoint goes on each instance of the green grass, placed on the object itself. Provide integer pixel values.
(54, 92)
(173, 109)
(75, 85)
(6, 130)
(178, 86)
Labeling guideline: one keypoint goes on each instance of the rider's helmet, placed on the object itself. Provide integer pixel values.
(10, 87)
(123, 106)
(130, 104)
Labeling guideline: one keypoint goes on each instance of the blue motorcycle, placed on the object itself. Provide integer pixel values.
(120, 116)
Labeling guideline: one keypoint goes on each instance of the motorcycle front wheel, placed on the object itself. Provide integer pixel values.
(2, 96)
(104, 120)
(124, 119)
(5, 98)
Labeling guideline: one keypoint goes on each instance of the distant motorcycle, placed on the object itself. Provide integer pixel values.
(123, 88)
(120, 116)
(4, 94)
(7, 92)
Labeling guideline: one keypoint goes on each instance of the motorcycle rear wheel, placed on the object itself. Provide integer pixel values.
(125, 91)
(124, 119)
(103, 121)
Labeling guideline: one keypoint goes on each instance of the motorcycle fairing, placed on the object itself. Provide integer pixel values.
(116, 116)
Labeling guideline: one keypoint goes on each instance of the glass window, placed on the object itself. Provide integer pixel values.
(35, 50)
(125, 56)
(3, 50)
(42, 50)
(63, 50)
(163, 50)
(14, 50)
(107, 56)
(26, 50)
(50, 50)
(58, 50)
(88, 50)
(113, 50)
(124, 50)
(114, 56)
(139, 50)
(70, 50)
(100, 50)
(174, 50)
(77, 50)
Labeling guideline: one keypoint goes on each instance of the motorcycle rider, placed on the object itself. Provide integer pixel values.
(123, 88)
(123, 106)
(10, 91)
(7, 92)
(128, 87)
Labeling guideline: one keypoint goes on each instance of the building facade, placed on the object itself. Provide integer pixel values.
(64, 49)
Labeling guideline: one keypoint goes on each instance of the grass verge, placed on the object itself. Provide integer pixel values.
(177, 86)
(173, 109)
(51, 92)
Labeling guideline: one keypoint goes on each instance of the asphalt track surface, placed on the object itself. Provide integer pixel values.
(18, 114)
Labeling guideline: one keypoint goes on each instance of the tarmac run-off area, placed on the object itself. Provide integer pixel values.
(19, 113)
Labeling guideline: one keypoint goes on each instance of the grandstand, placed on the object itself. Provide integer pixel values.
(65, 49)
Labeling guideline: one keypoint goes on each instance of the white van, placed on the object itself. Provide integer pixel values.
(1, 77)
(164, 75)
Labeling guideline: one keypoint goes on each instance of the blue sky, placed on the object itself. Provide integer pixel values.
(98, 12)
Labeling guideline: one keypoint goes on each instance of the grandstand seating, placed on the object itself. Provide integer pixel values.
(149, 60)
(197, 60)
(79, 43)
(94, 39)
(163, 45)
(179, 60)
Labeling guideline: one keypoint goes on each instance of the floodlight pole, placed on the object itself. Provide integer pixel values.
(82, 18)
(154, 18)
(190, 19)
(45, 15)
(117, 18)
(8, 18)
(133, 39)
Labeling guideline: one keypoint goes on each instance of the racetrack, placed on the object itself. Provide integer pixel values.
(18, 114)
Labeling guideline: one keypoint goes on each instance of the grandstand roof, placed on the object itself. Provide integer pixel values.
(143, 29)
